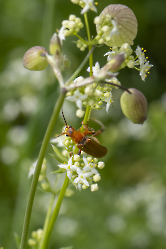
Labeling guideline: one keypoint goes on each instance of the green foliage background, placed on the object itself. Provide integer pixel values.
(128, 211)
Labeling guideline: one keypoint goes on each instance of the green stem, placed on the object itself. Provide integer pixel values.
(42, 152)
(89, 40)
(80, 38)
(80, 67)
(48, 21)
(55, 214)
(87, 26)
(88, 109)
(47, 219)
(87, 114)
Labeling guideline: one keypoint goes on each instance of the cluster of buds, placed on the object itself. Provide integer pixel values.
(81, 44)
(36, 238)
(71, 26)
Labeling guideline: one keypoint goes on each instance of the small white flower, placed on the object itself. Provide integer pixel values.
(114, 31)
(110, 55)
(82, 177)
(89, 166)
(96, 178)
(78, 98)
(94, 187)
(108, 100)
(95, 69)
(70, 168)
(59, 140)
(61, 34)
(144, 69)
(101, 165)
(89, 5)
(80, 113)
(76, 158)
(141, 56)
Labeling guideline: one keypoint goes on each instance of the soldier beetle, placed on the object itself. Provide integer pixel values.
(86, 143)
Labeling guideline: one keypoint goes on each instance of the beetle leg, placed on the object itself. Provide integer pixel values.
(88, 130)
(71, 153)
(79, 152)
(99, 131)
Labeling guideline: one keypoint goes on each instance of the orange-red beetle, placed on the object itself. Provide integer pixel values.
(85, 143)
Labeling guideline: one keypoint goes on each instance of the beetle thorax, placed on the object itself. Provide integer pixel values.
(69, 131)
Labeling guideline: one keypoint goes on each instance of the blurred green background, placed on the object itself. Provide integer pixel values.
(129, 209)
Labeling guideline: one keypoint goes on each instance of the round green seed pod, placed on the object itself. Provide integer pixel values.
(35, 58)
(134, 106)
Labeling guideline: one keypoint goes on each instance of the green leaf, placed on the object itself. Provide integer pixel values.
(58, 171)
(57, 158)
(60, 155)
(17, 240)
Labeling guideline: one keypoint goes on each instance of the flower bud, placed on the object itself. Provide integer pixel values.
(134, 106)
(80, 113)
(55, 44)
(45, 186)
(94, 187)
(32, 242)
(35, 58)
(115, 63)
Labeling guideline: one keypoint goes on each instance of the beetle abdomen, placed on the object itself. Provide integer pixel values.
(92, 147)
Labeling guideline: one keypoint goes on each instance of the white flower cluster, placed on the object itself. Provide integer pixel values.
(130, 61)
(86, 5)
(70, 27)
(106, 28)
(92, 95)
(82, 171)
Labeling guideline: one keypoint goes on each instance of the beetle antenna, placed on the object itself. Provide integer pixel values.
(58, 135)
(64, 119)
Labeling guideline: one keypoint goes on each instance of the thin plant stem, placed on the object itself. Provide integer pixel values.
(48, 21)
(55, 214)
(89, 40)
(80, 67)
(42, 152)
(80, 38)
(88, 109)
(49, 211)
